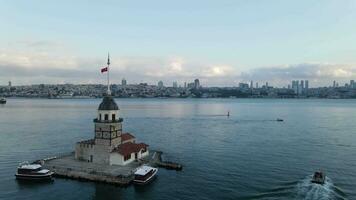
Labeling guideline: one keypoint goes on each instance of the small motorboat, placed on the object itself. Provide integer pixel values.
(318, 177)
(279, 120)
(145, 174)
(27, 171)
(2, 100)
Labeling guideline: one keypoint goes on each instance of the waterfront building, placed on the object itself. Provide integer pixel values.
(352, 84)
(251, 84)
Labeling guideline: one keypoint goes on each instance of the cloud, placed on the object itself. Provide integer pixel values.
(318, 73)
(39, 66)
(33, 62)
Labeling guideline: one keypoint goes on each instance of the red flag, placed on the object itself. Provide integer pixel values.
(105, 69)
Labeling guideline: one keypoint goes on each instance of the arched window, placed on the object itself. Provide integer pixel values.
(106, 117)
(99, 116)
(113, 117)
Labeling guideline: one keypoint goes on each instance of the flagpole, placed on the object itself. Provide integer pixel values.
(108, 76)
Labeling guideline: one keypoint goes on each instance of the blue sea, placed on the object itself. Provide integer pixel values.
(248, 155)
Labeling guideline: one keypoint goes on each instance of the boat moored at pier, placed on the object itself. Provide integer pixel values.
(145, 174)
(2, 100)
(27, 171)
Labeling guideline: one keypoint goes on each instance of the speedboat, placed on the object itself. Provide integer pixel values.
(279, 120)
(319, 177)
(33, 172)
(145, 174)
(2, 100)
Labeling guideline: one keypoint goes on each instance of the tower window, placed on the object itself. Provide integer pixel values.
(113, 117)
(106, 117)
(99, 116)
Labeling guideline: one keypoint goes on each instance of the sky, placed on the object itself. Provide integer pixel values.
(220, 42)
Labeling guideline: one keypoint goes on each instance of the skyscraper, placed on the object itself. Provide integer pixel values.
(160, 84)
(352, 84)
(295, 86)
(123, 82)
(251, 85)
(175, 85)
(196, 84)
(306, 85)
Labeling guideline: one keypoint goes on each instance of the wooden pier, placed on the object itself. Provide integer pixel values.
(156, 161)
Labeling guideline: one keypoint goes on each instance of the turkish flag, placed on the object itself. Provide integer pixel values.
(105, 69)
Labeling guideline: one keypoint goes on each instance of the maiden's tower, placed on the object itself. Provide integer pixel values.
(110, 144)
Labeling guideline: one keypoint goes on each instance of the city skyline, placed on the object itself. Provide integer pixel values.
(292, 84)
(221, 43)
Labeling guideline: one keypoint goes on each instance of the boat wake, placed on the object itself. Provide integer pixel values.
(301, 190)
(310, 191)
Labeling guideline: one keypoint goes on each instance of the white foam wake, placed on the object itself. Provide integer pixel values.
(311, 191)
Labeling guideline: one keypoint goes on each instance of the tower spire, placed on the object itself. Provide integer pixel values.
(109, 92)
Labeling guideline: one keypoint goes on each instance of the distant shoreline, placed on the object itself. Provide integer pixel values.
(117, 97)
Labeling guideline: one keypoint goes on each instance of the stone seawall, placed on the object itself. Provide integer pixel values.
(67, 166)
(84, 176)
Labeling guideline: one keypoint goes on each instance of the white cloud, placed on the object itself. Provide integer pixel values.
(36, 62)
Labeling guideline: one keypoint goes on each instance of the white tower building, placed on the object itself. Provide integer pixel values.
(110, 145)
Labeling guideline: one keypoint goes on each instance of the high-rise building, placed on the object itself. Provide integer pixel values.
(243, 85)
(251, 85)
(295, 86)
(196, 84)
(160, 84)
(9, 83)
(352, 84)
(334, 84)
(175, 84)
(185, 85)
(306, 87)
(256, 84)
(302, 84)
(191, 85)
(123, 82)
(267, 84)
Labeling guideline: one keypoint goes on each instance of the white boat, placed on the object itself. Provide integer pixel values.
(33, 172)
(145, 174)
(2, 100)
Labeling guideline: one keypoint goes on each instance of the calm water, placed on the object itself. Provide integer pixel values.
(246, 156)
